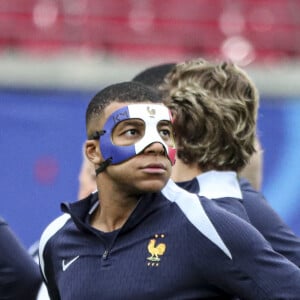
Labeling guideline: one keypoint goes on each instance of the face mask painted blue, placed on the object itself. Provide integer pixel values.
(131, 129)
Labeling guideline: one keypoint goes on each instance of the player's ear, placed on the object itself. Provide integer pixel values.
(92, 151)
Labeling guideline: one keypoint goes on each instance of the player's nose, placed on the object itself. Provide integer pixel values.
(155, 148)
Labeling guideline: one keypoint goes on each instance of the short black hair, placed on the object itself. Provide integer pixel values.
(127, 91)
(154, 76)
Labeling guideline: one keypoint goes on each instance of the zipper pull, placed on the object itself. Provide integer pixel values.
(105, 254)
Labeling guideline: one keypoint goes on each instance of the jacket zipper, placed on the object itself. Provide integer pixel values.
(105, 254)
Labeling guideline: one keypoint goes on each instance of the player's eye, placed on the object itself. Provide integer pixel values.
(131, 132)
(166, 132)
(128, 132)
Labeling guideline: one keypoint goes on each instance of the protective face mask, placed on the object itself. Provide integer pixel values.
(153, 121)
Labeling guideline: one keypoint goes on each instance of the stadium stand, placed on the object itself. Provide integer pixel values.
(250, 29)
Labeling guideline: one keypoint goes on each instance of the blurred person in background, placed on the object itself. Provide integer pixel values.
(154, 76)
(20, 277)
(215, 109)
(86, 178)
(143, 237)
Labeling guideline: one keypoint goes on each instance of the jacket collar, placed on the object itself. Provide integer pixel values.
(82, 209)
(219, 184)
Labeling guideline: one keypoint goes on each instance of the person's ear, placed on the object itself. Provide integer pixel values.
(92, 151)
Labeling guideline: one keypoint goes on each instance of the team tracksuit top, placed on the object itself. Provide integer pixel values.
(174, 245)
(230, 193)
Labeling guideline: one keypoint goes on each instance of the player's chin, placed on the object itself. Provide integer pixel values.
(154, 185)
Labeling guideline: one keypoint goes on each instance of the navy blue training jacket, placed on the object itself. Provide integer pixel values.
(174, 245)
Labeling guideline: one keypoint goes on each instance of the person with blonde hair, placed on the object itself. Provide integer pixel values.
(214, 107)
(154, 77)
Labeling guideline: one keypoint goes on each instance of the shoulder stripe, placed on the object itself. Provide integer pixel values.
(50, 230)
(191, 206)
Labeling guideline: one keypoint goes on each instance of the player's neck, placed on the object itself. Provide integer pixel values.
(184, 172)
(115, 207)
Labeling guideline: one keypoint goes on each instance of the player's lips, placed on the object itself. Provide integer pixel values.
(154, 168)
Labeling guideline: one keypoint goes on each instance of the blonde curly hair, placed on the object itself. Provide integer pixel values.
(214, 106)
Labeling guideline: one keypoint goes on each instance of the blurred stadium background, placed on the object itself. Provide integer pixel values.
(55, 54)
